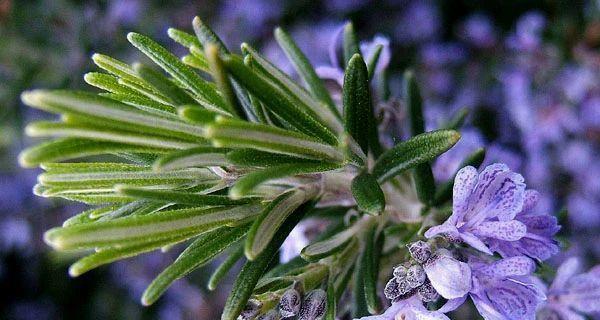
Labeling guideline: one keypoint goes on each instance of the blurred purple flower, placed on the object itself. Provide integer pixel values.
(528, 32)
(573, 294)
(420, 21)
(478, 31)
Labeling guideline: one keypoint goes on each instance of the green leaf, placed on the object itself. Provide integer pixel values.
(200, 252)
(181, 197)
(144, 104)
(370, 265)
(238, 134)
(109, 83)
(146, 228)
(423, 175)
(458, 120)
(359, 303)
(257, 158)
(94, 109)
(224, 267)
(206, 35)
(177, 70)
(253, 270)
(304, 68)
(196, 62)
(183, 38)
(56, 129)
(444, 192)
(109, 255)
(197, 115)
(117, 68)
(247, 183)
(278, 101)
(268, 222)
(115, 173)
(72, 148)
(163, 85)
(221, 78)
(193, 157)
(327, 247)
(368, 194)
(350, 43)
(330, 117)
(358, 108)
(373, 60)
(330, 314)
(417, 150)
(146, 91)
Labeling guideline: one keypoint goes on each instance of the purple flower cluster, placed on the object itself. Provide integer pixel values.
(492, 212)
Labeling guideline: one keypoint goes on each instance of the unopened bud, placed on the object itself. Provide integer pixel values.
(415, 276)
(289, 304)
(313, 306)
(427, 292)
(251, 310)
(420, 251)
(271, 315)
(400, 272)
(391, 290)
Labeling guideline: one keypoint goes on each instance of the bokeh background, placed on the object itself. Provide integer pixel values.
(528, 71)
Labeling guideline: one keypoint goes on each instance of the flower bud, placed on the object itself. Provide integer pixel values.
(415, 276)
(400, 272)
(392, 290)
(251, 310)
(427, 292)
(271, 315)
(313, 306)
(289, 304)
(420, 251)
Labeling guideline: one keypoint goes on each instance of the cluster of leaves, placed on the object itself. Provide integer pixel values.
(231, 166)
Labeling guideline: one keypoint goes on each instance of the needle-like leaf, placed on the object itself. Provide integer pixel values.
(368, 194)
(200, 252)
(419, 149)
(253, 270)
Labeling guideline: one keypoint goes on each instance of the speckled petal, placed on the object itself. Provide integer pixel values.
(514, 266)
(513, 300)
(464, 183)
(502, 230)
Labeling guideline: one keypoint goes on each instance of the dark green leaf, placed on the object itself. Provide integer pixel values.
(163, 85)
(200, 252)
(304, 68)
(181, 197)
(193, 157)
(277, 101)
(224, 267)
(417, 150)
(423, 175)
(358, 107)
(257, 158)
(177, 69)
(253, 270)
(370, 262)
(368, 194)
(351, 46)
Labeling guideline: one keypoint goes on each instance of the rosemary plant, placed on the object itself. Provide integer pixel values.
(230, 165)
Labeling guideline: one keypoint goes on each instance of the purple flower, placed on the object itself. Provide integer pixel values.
(505, 289)
(572, 294)
(491, 212)
(478, 30)
(408, 309)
